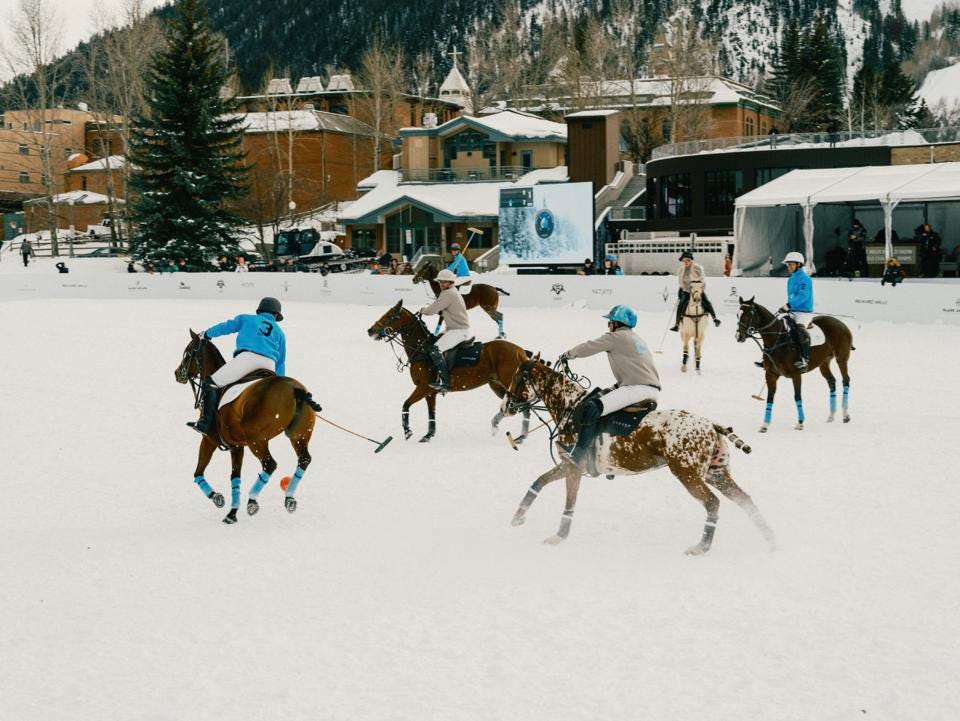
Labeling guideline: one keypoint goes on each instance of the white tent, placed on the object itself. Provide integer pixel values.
(796, 209)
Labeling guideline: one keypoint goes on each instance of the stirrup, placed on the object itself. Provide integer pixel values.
(758, 364)
(801, 364)
(676, 328)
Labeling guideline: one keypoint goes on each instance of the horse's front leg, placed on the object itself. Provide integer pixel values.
(207, 447)
(798, 398)
(549, 477)
(697, 347)
(261, 450)
(686, 352)
(431, 417)
(418, 394)
(771, 392)
(236, 463)
(573, 476)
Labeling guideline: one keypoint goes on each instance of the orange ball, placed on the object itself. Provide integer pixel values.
(284, 482)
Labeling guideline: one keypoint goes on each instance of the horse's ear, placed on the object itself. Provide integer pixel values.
(537, 356)
(398, 305)
(740, 299)
(193, 335)
(751, 299)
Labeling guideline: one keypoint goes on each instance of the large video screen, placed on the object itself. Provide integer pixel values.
(546, 224)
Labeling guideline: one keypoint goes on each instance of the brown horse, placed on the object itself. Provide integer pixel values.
(771, 333)
(263, 410)
(498, 363)
(692, 447)
(486, 296)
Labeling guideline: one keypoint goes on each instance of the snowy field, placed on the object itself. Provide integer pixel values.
(399, 590)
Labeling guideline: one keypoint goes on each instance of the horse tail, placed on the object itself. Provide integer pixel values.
(727, 431)
(301, 396)
(501, 291)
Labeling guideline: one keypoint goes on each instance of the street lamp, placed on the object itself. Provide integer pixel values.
(70, 203)
(293, 207)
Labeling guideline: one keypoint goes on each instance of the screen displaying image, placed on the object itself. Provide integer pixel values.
(546, 224)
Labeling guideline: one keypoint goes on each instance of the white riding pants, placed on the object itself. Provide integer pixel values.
(624, 396)
(239, 366)
(451, 338)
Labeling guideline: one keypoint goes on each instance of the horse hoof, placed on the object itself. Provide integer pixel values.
(231, 517)
(830, 419)
(290, 504)
(554, 540)
(407, 434)
(846, 419)
(798, 427)
(697, 550)
(698, 372)
(763, 429)
(518, 520)
(217, 499)
(683, 369)
(493, 431)
(252, 507)
(426, 438)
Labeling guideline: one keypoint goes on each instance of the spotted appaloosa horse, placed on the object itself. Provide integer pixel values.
(692, 447)
(693, 325)
(267, 408)
(770, 332)
(482, 294)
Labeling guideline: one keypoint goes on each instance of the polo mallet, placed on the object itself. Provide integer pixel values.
(758, 396)
(666, 330)
(514, 441)
(473, 232)
(379, 444)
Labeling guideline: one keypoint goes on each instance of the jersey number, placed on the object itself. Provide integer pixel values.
(266, 328)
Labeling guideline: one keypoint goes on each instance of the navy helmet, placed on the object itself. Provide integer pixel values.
(270, 305)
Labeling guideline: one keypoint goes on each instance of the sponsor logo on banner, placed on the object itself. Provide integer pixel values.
(26, 288)
(955, 309)
(324, 289)
(221, 283)
(557, 289)
(136, 286)
(666, 294)
(602, 291)
(405, 289)
(870, 301)
(733, 298)
(247, 285)
(184, 286)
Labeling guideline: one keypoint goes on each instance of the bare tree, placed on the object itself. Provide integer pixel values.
(36, 33)
(423, 73)
(688, 63)
(381, 83)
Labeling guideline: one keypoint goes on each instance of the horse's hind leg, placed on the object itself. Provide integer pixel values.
(550, 476)
(236, 463)
(300, 442)
(721, 479)
(692, 480)
(207, 447)
(845, 377)
(431, 417)
(798, 399)
(491, 310)
(261, 450)
(573, 476)
(832, 382)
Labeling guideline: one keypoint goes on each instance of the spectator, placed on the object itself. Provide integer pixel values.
(892, 272)
(727, 265)
(767, 267)
(223, 264)
(856, 250)
(858, 230)
(834, 260)
(375, 268)
(394, 267)
(930, 251)
(130, 267)
(881, 236)
(774, 134)
(384, 260)
(277, 266)
(170, 267)
(62, 267)
(151, 268)
(241, 265)
(182, 265)
(26, 252)
(587, 267)
(406, 268)
(611, 267)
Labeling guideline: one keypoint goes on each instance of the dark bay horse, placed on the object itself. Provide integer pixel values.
(771, 333)
(267, 408)
(693, 448)
(486, 296)
(498, 363)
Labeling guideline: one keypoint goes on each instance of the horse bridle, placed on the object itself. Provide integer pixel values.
(756, 333)
(191, 353)
(524, 374)
(391, 336)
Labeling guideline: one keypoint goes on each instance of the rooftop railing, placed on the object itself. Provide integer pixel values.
(463, 175)
(786, 141)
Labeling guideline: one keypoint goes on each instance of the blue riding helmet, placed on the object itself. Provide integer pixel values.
(612, 258)
(622, 314)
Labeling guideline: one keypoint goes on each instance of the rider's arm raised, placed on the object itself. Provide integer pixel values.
(225, 328)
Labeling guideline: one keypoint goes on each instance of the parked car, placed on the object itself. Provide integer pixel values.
(105, 252)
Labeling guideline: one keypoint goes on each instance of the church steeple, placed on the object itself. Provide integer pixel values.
(454, 88)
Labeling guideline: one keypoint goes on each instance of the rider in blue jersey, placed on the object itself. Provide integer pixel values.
(458, 266)
(799, 301)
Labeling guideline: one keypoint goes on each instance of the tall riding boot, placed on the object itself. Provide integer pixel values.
(803, 349)
(208, 406)
(589, 427)
(681, 309)
(442, 383)
(708, 307)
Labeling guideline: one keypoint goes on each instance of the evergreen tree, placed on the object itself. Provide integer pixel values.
(821, 63)
(186, 150)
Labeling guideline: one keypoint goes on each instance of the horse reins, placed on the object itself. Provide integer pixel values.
(390, 336)
(197, 355)
(757, 334)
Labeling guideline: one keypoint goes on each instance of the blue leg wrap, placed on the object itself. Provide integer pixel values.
(846, 394)
(259, 484)
(500, 326)
(768, 413)
(800, 411)
(294, 481)
(833, 402)
(202, 484)
(234, 493)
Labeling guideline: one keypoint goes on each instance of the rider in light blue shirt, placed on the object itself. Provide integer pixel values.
(799, 300)
(458, 265)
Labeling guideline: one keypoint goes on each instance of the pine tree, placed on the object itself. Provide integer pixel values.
(186, 150)
(822, 65)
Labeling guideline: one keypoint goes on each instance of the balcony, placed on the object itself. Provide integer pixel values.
(787, 141)
(632, 212)
(481, 174)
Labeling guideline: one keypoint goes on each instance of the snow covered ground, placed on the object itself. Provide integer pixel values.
(399, 590)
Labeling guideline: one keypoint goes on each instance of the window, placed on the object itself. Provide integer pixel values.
(526, 159)
(365, 239)
(675, 196)
(748, 126)
(24, 149)
(665, 131)
(722, 188)
(765, 175)
(83, 182)
(24, 177)
(67, 152)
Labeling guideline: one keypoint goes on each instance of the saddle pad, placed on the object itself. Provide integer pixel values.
(622, 423)
(233, 392)
(816, 335)
(468, 355)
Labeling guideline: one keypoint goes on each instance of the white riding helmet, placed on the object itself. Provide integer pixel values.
(446, 275)
(793, 257)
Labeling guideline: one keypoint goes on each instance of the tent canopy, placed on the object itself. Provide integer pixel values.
(765, 224)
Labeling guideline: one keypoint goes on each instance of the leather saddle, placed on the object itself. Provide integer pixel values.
(256, 375)
(466, 354)
(625, 421)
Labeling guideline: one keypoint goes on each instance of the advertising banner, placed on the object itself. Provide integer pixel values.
(546, 224)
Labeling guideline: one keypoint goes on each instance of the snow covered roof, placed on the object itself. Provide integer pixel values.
(885, 183)
(279, 86)
(313, 84)
(340, 82)
(303, 120)
(454, 83)
(114, 161)
(457, 201)
(506, 124)
(77, 197)
(592, 113)
(942, 87)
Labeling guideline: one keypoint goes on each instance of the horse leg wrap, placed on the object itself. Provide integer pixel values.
(295, 481)
(528, 499)
(500, 326)
(709, 528)
(258, 484)
(204, 487)
(833, 402)
(800, 416)
(566, 520)
(846, 397)
(768, 413)
(234, 493)
(686, 357)
(698, 364)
